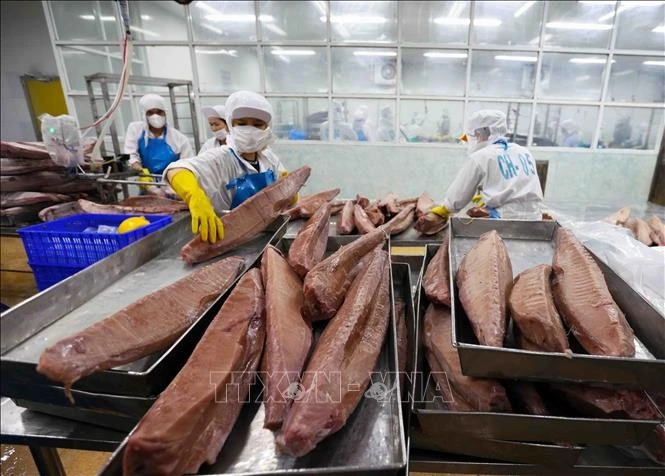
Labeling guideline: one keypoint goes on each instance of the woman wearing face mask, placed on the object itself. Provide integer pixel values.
(217, 122)
(224, 177)
(150, 143)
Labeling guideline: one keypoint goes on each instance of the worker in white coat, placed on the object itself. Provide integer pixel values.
(217, 121)
(224, 177)
(150, 143)
(504, 172)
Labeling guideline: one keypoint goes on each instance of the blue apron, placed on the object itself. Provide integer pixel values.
(249, 184)
(361, 135)
(157, 154)
(494, 213)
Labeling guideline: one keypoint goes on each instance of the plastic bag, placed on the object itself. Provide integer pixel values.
(62, 140)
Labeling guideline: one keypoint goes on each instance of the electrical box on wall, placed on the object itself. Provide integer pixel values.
(385, 72)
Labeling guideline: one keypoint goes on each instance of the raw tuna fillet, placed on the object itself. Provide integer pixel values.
(191, 419)
(436, 280)
(326, 284)
(532, 308)
(26, 166)
(147, 325)
(641, 230)
(362, 201)
(150, 205)
(59, 211)
(308, 205)
(390, 204)
(45, 181)
(585, 303)
(424, 205)
(654, 445)
(619, 217)
(362, 221)
(339, 370)
(430, 224)
(146, 201)
(407, 201)
(657, 230)
(375, 215)
(453, 400)
(402, 338)
(21, 199)
(249, 219)
(24, 150)
(310, 244)
(400, 222)
(483, 395)
(484, 279)
(529, 400)
(346, 223)
(601, 402)
(478, 212)
(337, 206)
(289, 336)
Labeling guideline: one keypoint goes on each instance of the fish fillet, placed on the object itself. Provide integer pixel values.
(424, 205)
(59, 211)
(346, 223)
(390, 204)
(484, 279)
(308, 205)
(147, 325)
(337, 206)
(375, 215)
(21, 199)
(309, 246)
(191, 419)
(250, 218)
(340, 368)
(400, 222)
(362, 221)
(148, 205)
(641, 230)
(436, 280)
(483, 395)
(657, 230)
(601, 402)
(532, 307)
(26, 166)
(654, 445)
(454, 401)
(529, 399)
(402, 339)
(326, 284)
(430, 224)
(288, 335)
(619, 217)
(585, 303)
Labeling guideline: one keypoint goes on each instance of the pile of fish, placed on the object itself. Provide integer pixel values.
(651, 232)
(544, 302)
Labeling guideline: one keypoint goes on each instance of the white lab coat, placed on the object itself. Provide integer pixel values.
(508, 181)
(174, 138)
(217, 167)
(210, 144)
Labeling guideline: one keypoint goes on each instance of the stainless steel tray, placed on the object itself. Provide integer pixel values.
(439, 423)
(530, 244)
(95, 293)
(372, 441)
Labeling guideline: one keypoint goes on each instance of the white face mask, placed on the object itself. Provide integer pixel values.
(251, 139)
(156, 121)
(220, 135)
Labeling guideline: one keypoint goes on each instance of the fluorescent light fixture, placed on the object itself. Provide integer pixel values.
(486, 22)
(451, 21)
(642, 4)
(566, 25)
(654, 63)
(207, 8)
(93, 17)
(233, 53)
(456, 9)
(520, 11)
(212, 28)
(589, 60)
(583, 78)
(321, 6)
(659, 29)
(444, 54)
(356, 19)
(87, 17)
(594, 2)
(78, 50)
(622, 8)
(144, 31)
(275, 29)
(239, 18)
(522, 59)
(375, 53)
(146, 17)
(293, 52)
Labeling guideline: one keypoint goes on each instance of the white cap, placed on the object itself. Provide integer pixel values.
(152, 101)
(248, 104)
(490, 118)
(214, 111)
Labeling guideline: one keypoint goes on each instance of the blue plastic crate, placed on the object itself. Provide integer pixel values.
(47, 276)
(64, 243)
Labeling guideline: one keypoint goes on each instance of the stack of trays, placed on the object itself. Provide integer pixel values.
(556, 439)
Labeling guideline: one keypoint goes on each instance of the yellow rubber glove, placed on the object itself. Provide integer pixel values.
(294, 200)
(440, 210)
(478, 200)
(204, 218)
(145, 176)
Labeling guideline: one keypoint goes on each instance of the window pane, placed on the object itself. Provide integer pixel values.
(641, 26)
(83, 113)
(631, 128)
(564, 126)
(507, 23)
(374, 22)
(157, 20)
(431, 121)
(572, 76)
(637, 79)
(81, 61)
(579, 24)
(172, 62)
(364, 70)
(310, 63)
(228, 69)
(518, 117)
(84, 20)
(299, 118)
(293, 20)
(435, 22)
(441, 72)
(503, 73)
(371, 120)
(223, 21)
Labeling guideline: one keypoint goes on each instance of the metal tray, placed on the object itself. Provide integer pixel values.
(371, 442)
(530, 244)
(439, 423)
(96, 292)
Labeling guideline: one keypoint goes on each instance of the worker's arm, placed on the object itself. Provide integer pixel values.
(132, 145)
(204, 218)
(464, 187)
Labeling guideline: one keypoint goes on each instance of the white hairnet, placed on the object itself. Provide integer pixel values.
(569, 125)
(359, 115)
(152, 101)
(247, 104)
(492, 119)
(214, 111)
